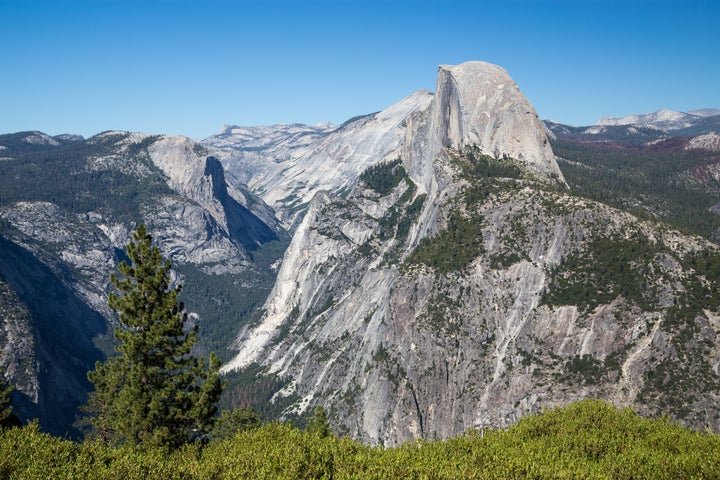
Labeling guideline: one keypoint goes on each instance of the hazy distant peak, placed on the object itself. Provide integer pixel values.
(664, 119)
(705, 112)
(39, 138)
(663, 115)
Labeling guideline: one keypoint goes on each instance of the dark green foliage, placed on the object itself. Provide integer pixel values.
(7, 417)
(589, 440)
(231, 422)
(668, 184)
(383, 177)
(237, 296)
(461, 242)
(607, 267)
(255, 389)
(704, 291)
(506, 259)
(366, 250)
(33, 176)
(399, 218)
(452, 248)
(408, 220)
(154, 393)
(318, 424)
(218, 297)
(5, 406)
(475, 164)
(584, 370)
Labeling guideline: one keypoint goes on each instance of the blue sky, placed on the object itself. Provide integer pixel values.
(190, 66)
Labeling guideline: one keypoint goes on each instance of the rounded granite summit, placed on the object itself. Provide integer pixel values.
(479, 103)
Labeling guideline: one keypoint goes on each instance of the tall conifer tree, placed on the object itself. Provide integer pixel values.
(7, 417)
(154, 393)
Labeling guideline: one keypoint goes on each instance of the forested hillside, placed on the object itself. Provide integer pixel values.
(663, 180)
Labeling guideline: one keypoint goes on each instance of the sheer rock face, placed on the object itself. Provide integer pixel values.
(287, 164)
(396, 349)
(477, 103)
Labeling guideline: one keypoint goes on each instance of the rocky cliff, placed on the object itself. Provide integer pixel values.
(66, 212)
(475, 103)
(463, 287)
(287, 164)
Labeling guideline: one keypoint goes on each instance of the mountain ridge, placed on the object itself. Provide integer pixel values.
(441, 275)
(66, 212)
(664, 119)
(461, 288)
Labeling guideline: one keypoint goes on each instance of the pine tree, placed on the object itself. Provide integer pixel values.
(318, 424)
(239, 419)
(154, 393)
(7, 417)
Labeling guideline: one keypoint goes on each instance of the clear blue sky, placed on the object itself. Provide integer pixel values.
(190, 66)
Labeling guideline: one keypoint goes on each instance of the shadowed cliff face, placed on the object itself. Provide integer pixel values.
(242, 225)
(61, 328)
(477, 290)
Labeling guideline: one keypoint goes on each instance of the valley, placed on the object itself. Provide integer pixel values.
(448, 263)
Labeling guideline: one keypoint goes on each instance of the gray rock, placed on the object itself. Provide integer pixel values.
(397, 350)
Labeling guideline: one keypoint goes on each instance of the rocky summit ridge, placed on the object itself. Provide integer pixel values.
(455, 288)
(463, 286)
(441, 275)
(474, 103)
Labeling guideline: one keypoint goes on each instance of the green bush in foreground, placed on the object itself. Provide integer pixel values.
(589, 439)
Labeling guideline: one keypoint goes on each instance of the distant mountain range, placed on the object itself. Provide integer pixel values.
(645, 128)
(666, 120)
(448, 263)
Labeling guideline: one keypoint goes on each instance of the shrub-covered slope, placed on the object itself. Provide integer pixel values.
(590, 439)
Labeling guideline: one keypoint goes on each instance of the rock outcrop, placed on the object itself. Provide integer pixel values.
(477, 103)
(476, 289)
(287, 164)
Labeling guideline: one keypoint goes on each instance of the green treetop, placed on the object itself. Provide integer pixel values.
(7, 418)
(318, 423)
(154, 393)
